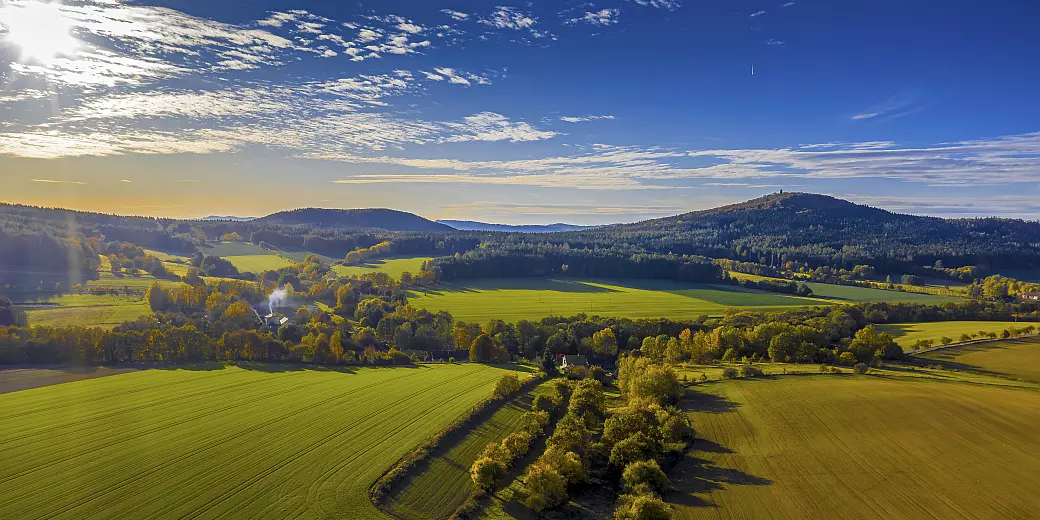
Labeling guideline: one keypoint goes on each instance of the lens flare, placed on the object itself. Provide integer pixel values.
(40, 31)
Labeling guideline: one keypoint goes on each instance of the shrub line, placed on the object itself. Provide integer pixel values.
(379, 489)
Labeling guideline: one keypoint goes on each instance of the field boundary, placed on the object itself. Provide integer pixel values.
(476, 415)
(972, 342)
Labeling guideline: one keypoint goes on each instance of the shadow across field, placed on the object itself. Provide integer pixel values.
(698, 474)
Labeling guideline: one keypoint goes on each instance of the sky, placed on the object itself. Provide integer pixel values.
(519, 112)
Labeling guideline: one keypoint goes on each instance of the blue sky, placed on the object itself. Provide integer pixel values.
(526, 112)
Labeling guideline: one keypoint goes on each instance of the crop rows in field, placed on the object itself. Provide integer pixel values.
(222, 442)
(1015, 358)
(830, 446)
(534, 298)
(444, 483)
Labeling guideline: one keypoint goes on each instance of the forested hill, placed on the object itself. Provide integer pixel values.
(388, 219)
(823, 230)
(469, 225)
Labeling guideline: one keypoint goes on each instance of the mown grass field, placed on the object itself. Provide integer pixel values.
(534, 298)
(88, 310)
(1015, 358)
(440, 487)
(852, 294)
(907, 334)
(391, 266)
(258, 263)
(845, 446)
(272, 442)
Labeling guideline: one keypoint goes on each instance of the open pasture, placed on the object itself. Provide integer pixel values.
(87, 310)
(907, 334)
(854, 294)
(1014, 358)
(212, 441)
(258, 263)
(391, 266)
(513, 299)
(845, 446)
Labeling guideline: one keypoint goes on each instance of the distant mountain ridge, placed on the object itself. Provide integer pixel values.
(373, 218)
(227, 218)
(470, 225)
(827, 230)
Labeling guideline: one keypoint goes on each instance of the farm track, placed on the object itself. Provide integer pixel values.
(236, 444)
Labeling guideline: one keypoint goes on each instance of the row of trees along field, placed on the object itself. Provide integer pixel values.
(371, 312)
(535, 260)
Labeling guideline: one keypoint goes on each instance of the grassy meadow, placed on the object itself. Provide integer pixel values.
(852, 294)
(845, 446)
(258, 263)
(442, 484)
(907, 334)
(212, 441)
(534, 298)
(1015, 358)
(391, 266)
(89, 310)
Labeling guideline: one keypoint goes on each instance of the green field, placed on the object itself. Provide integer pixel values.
(1015, 358)
(907, 334)
(534, 298)
(258, 263)
(443, 484)
(272, 442)
(87, 310)
(847, 446)
(852, 294)
(391, 266)
(849, 293)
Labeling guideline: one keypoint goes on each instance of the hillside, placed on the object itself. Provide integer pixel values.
(825, 230)
(469, 225)
(388, 219)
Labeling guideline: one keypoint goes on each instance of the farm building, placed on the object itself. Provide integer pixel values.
(573, 361)
(1031, 296)
(274, 320)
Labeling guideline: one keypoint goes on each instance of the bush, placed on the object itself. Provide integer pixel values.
(597, 373)
(567, 463)
(641, 507)
(517, 444)
(508, 385)
(576, 373)
(534, 422)
(861, 368)
(544, 488)
(543, 403)
(846, 358)
(750, 371)
(644, 473)
(729, 373)
(632, 449)
(486, 472)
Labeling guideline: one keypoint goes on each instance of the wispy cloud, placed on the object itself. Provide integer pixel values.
(601, 17)
(789, 4)
(456, 15)
(55, 181)
(896, 106)
(671, 5)
(582, 119)
(756, 14)
(1009, 159)
(772, 41)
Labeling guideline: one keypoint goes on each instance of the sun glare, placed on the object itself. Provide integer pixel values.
(39, 30)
